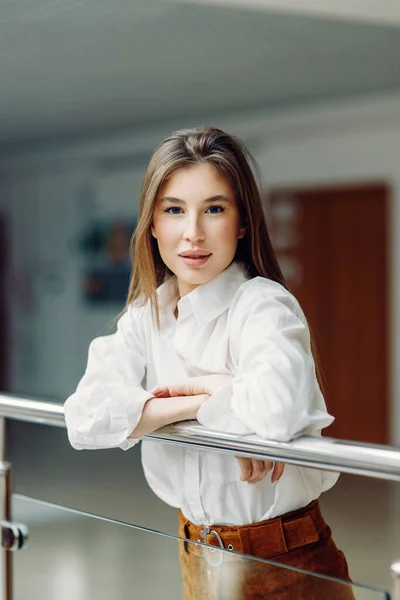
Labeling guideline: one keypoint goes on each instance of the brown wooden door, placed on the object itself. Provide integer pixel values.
(332, 245)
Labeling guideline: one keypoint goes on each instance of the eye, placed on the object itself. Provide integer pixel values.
(173, 210)
(215, 209)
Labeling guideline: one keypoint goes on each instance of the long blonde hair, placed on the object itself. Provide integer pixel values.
(233, 161)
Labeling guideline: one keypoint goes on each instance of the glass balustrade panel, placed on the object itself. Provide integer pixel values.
(76, 555)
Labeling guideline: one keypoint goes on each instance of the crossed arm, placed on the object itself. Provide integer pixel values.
(181, 402)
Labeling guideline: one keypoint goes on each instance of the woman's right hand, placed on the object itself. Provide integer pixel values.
(194, 386)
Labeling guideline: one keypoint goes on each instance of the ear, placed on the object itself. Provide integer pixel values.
(153, 232)
(242, 232)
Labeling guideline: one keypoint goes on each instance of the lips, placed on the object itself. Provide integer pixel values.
(195, 258)
(195, 254)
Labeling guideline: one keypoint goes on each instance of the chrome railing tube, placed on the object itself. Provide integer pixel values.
(32, 410)
(381, 462)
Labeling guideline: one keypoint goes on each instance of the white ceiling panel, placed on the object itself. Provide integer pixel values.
(81, 66)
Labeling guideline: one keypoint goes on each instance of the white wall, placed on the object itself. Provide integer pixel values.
(341, 142)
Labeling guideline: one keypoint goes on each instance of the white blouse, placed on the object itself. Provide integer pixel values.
(252, 329)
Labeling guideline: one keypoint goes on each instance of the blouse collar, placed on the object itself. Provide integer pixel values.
(208, 300)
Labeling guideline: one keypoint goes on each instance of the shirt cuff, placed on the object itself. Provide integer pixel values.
(109, 423)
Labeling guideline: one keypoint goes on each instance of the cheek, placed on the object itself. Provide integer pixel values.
(159, 228)
(164, 231)
(228, 231)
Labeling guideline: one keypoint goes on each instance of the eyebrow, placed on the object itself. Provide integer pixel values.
(218, 198)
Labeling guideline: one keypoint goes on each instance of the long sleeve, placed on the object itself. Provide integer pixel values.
(109, 399)
(275, 393)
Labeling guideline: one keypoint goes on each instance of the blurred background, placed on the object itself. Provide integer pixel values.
(87, 91)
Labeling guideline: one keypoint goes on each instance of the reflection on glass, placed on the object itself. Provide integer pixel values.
(85, 557)
(219, 574)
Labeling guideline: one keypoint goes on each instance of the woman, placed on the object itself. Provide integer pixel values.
(211, 332)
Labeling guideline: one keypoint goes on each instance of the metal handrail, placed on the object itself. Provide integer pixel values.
(381, 462)
(32, 410)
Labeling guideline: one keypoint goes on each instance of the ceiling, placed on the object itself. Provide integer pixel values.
(71, 67)
(384, 11)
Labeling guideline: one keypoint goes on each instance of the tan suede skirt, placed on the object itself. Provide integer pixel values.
(296, 541)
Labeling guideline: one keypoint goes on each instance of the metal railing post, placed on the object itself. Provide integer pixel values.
(5, 515)
(395, 569)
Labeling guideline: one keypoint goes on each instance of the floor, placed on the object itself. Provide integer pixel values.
(77, 557)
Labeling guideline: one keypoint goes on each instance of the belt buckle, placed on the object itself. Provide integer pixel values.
(212, 555)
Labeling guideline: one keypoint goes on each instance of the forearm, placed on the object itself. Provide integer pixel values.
(158, 412)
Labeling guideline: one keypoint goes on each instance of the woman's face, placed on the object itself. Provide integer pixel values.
(196, 224)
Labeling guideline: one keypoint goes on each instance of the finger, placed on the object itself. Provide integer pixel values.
(168, 391)
(257, 469)
(245, 467)
(277, 472)
(179, 389)
(160, 391)
(260, 470)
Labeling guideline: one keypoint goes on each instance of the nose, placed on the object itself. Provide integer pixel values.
(193, 231)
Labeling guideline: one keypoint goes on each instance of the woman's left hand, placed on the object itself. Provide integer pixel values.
(253, 470)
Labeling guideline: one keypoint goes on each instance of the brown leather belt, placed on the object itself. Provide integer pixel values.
(264, 539)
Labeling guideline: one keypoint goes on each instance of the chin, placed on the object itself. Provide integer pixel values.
(192, 277)
(196, 279)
